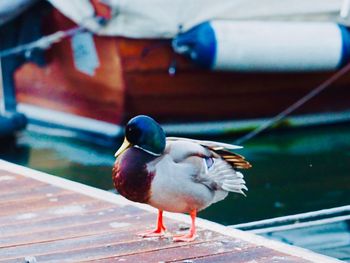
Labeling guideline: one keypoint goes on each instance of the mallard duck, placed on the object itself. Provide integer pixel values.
(175, 174)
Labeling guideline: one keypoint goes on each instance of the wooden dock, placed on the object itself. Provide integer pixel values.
(44, 218)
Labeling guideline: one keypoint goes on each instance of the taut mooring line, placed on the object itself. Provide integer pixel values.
(295, 105)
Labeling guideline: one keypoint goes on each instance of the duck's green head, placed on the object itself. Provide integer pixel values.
(145, 133)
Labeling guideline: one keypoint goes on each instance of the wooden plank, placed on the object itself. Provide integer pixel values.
(22, 199)
(6, 175)
(117, 248)
(43, 203)
(80, 223)
(212, 246)
(12, 185)
(37, 235)
(33, 192)
(53, 212)
(256, 254)
(83, 248)
(77, 219)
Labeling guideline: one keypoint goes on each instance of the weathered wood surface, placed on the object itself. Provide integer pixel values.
(55, 220)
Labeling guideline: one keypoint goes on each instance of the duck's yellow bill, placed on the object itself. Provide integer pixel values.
(126, 144)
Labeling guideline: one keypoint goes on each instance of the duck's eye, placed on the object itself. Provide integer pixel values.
(130, 129)
(133, 134)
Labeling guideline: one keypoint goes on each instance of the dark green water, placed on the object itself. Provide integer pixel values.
(293, 171)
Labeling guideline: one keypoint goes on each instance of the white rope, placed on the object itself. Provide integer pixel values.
(42, 43)
(293, 218)
(301, 225)
(295, 105)
(46, 41)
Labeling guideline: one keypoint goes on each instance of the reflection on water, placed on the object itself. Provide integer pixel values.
(68, 158)
(293, 172)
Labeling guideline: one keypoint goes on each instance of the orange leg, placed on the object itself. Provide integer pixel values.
(192, 234)
(159, 230)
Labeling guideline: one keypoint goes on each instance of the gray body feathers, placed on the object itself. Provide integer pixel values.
(193, 174)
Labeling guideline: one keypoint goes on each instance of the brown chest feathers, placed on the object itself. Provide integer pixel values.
(131, 177)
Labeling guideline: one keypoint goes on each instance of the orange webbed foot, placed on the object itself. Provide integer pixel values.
(153, 233)
(184, 238)
(191, 236)
(160, 229)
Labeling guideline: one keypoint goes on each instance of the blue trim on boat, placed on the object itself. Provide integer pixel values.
(345, 51)
(199, 44)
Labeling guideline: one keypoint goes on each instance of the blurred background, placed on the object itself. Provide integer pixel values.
(273, 77)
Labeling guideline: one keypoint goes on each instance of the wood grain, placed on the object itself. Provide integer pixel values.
(58, 225)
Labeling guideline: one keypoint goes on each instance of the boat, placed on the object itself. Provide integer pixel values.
(128, 58)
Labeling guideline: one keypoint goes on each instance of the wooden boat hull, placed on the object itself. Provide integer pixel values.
(133, 79)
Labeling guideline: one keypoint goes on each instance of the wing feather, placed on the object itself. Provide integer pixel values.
(222, 149)
(222, 176)
(210, 144)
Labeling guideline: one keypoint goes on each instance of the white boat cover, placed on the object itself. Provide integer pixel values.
(163, 18)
